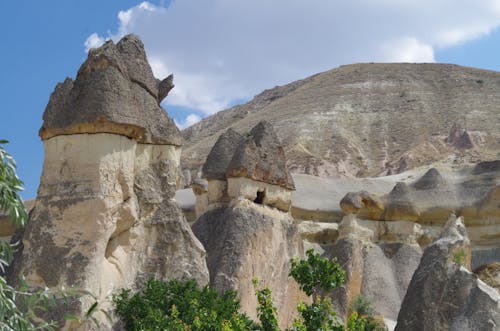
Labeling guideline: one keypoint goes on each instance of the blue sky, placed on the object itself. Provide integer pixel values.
(221, 52)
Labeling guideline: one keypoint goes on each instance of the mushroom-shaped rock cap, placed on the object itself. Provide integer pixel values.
(221, 154)
(114, 92)
(261, 157)
(432, 179)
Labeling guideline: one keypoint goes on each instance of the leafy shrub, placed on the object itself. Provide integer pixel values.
(362, 306)
(317, 273)
(459, 257)
(356, 322)
(266, 312)
(180, 305)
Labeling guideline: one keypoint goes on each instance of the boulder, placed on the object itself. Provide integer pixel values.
(443, 294)
(220, 155)
(362, 203)
(261, 157)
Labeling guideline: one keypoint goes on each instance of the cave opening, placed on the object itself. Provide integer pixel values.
(260, 197)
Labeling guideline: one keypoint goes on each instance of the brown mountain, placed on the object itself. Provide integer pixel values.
(369, 119)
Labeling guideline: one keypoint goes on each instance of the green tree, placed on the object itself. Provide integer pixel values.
(180, 305)
(17, 306)
(316, 275)
(266, 311)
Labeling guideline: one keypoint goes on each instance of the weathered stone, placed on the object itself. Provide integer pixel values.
(399, 205)
(245, 240)
(221, 154)
(490, 274)
(377, 267)
(261, 157)
(362, 203)
(114, 92)
(443, 294)
(459, 137)
(104, 218)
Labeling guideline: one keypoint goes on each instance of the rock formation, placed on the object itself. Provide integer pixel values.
(366, 119)
(444, 294)
(253, 167)
(379, 262)
(104, 217)
(246, 228)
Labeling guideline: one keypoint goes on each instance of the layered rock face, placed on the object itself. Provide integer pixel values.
(369, 119)
(246, 227)
(444, 294)
(104, 217)
(472, 193)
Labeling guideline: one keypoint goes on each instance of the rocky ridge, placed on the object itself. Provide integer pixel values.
(369, 119)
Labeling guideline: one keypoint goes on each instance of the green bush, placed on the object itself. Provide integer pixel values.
(317, 273)
(362, 306)
(180, 305)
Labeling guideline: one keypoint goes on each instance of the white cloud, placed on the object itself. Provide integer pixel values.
(190, 120)
(409, 50)
(222, 50)
(93, 41)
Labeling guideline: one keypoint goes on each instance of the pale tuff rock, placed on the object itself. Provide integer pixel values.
(379, 265)
(244, 241)
(444, 294)
(105, 217)
(244, 221)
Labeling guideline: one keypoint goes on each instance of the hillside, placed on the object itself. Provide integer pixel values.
(369, 119)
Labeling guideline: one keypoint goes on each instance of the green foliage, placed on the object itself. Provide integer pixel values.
(266, 312)
(10, 201)
(177, 305)
(356, 322)
(459, 257)
(318, 316)
(317, 273)
(362, 306)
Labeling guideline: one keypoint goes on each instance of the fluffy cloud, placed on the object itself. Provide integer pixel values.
(190, 120)
(93, 41)
(222, 50)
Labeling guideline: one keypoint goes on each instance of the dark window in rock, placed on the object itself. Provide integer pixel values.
(260, 197)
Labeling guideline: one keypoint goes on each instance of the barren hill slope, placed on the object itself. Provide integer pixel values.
(369, 119)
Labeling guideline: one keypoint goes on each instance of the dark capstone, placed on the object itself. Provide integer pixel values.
(221, 154)
(432, 179)
(114, 92)
(260, 156)
(486, 166)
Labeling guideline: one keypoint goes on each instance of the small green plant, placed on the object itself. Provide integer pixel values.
(459, 257)
(362, 306)
(266, 312)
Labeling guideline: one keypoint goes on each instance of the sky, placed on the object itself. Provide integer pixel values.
(223, 52)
